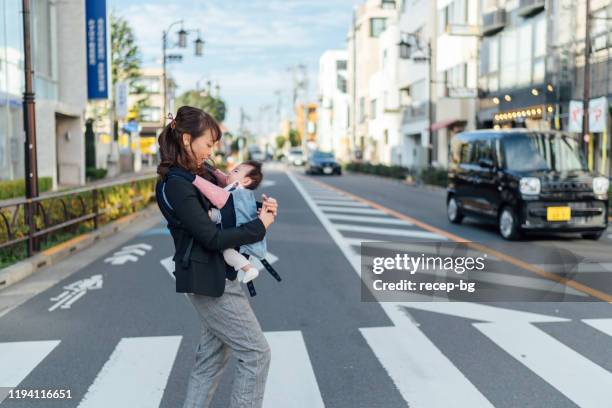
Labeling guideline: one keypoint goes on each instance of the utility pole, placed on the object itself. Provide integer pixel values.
(29, 121)
(587, 80)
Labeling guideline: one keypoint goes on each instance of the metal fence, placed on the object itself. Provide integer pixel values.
(31, 221)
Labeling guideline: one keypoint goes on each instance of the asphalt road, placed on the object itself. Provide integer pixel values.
(115, 333)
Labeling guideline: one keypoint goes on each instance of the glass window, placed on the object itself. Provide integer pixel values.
(377, 26)
(373, 108)
(341, 65)
(494, 54)
(361, 109)
(539, 71)
(524, 54)
(508, 59)
(539, 48)
(150, 114)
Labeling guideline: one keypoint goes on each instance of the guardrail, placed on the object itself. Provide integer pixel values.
(32, 221)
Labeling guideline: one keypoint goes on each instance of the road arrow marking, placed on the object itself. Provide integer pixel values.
(128, 254)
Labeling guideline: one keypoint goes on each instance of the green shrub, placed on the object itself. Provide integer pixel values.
(117, 201)
(16, 188)
(435, 176)
(429, 175)
(93, 173)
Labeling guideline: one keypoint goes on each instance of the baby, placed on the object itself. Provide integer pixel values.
(235, 201)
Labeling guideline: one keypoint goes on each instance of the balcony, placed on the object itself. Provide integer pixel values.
(493, 22)
(530, 7)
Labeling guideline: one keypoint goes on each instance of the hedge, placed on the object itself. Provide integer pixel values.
(119, 195)
(429, 175)
(16, 188)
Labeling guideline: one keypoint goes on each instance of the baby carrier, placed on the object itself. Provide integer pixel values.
(170, 216)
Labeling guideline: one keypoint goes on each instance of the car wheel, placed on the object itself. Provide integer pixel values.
(453, 211)
(508, 224)
(593, 235)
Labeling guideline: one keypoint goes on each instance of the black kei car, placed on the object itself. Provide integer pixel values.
(322, 163)
(526, 181)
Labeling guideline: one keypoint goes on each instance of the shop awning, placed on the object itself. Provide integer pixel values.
(443, 124)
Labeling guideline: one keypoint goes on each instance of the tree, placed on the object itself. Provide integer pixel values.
(203, 100)
(280, 141)
(294, 138)
(124, 51)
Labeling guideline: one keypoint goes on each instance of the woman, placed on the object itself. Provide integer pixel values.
(228, 322)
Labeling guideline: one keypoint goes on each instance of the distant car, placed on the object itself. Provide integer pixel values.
(526, 181)
(256, 154)
(296, 156)
(322, 163)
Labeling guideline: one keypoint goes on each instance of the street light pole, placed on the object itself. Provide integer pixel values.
(430, 104)
(587, 80)
(29, 122)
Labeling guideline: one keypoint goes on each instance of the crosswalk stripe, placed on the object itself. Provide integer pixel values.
(418, 368)
(135, 375)
(584, 267)
(347, 210)
(579, 379)
(291, 380)
(341, 203)
(369, 220)
(332, 197)
(18, 359)
(603, 325)
(390, 231)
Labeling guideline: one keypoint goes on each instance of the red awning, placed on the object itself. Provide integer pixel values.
(447, 123)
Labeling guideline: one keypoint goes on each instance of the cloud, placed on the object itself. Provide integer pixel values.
(249, 43)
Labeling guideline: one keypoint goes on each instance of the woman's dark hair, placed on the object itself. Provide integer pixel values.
(173, 152)
(255, 174)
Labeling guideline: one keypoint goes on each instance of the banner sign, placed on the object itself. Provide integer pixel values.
(598, 115)
(97, 49)
(121, 99)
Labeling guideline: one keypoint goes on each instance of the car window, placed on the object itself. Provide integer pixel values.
(464, 153)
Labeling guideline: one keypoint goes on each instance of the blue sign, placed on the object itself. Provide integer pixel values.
(97, 49)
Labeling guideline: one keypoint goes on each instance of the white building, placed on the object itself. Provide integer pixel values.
(60, 85)
(417, 25)
(333, 111)
(457, 72)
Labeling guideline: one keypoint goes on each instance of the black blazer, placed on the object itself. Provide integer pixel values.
(206, 271)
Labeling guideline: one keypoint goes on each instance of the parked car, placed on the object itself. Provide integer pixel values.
(255, 153)
(322, 163)
(526, 181)
(295, 156)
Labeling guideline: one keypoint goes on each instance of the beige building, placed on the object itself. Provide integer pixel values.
(369, 22)
(60, 86)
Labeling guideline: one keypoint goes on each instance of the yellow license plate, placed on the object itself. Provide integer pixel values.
(558, 213)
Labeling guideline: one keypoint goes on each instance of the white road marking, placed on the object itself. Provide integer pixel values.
(578, 378)
(417, 367)
(144, 246)
(19, 358)
(128, 254)
(135, 375)
(291, 379)
(603, 325)
(341, 203)
(583, 267)
(369, 220)
(347, 210)
(390, 231)
(75, 291)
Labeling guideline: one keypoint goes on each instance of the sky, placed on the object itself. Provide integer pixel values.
(250, 44)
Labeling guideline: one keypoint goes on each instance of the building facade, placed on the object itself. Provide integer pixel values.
(60, 86)
(332, 132)
(369, 21)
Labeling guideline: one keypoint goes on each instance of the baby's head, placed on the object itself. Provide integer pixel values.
(248, 173)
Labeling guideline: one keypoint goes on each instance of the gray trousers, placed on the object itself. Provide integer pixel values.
(228, 325)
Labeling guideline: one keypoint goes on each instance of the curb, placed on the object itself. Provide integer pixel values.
(22, 269)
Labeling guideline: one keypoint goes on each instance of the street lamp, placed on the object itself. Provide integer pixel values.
(181, 43)
(405, 52)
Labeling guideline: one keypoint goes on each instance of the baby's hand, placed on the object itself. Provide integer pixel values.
(210, 214)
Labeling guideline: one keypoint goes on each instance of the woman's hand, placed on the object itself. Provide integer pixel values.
(269, 204)
(267, 218)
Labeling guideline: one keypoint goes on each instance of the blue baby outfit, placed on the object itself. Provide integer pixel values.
(245, 206)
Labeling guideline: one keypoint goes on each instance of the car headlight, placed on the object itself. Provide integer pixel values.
(601, 185)
(530, 185)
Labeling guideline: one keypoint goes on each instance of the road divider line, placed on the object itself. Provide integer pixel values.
(606, 297)
(135, 375)
(578, 378)
(18, 359)
(291, 379)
